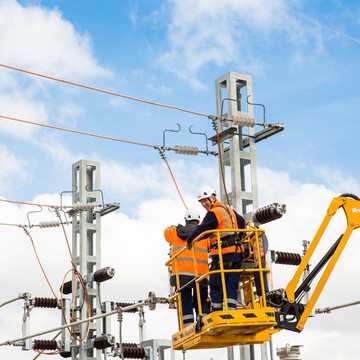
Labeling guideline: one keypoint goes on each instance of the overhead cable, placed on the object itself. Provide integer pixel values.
(104, 91)
(39, 262)
(73, 131)
(25, 203)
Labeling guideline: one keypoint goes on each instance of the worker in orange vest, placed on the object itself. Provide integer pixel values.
(220, 216)
(185, 265)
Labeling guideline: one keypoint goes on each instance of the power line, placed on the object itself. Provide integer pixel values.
(26, 203)
(105, 91)
(95, 317)
(97, 136)
(74, 131)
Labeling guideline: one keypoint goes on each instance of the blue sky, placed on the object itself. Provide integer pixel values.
(303, 59)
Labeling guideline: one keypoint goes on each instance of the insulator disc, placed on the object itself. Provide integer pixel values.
(103, 274)
(45, 302)
(132, 351)
(104, 341)
(275, 297)
(186, 150)
(123, 305)
(45, 345)
(243, 120)
(286, 258)
(65, 354)
(269, 213)
(67, 288)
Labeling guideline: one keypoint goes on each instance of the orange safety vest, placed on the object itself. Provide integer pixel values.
(226, 218)
(185, 262)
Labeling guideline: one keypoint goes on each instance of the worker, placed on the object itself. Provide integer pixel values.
(220, 216)
(185, 265)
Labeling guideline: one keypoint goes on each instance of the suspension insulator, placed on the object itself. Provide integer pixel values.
(104, 341)
(47, 224)
(269, 213)
(45, 303)
(123, 305)
(132, 351)
(186, 150)
(243, 120)
(66, 288)
(45, 345)
(104, 274)
(286, 258)
(275, 297)
(83, 207)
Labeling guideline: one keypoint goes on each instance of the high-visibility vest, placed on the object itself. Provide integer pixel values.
(185, 263)
(226, 218)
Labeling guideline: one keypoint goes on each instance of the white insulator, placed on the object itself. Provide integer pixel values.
(289, 352)
(243, 120)
(83, 207)
(186, 150)
(47, 224)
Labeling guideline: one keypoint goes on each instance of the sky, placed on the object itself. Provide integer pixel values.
(97, 57)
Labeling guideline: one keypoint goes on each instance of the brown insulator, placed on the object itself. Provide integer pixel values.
(65, 354)
(286, 258)
(104, 274)
(133, 351)
(123, 305)
(104, 341)
(45, 302)
(45, 345)
(269, 213)
(66, 288)
(275, 297)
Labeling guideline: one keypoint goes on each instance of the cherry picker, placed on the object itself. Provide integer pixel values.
(263, 312)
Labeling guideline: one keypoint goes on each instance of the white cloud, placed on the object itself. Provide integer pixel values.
(37, 39)
(19, 106)
(155, 180)
(13, 169)
(216, 32)
(41, 40)
(69, 112)
(334, 179)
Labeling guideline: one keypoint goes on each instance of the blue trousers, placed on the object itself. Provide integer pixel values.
(189, 299)
(231, 283)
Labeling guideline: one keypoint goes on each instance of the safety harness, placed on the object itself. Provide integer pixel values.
(229, 240)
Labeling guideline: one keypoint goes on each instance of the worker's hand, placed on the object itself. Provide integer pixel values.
(189, 245)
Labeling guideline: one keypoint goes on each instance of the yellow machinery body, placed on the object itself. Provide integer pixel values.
(261, 312)
(227, 328)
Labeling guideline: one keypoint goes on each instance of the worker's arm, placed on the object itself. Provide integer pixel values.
(170, 233)
(240, 221)
(209, 222)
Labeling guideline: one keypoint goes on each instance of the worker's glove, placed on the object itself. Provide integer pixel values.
(189, 245)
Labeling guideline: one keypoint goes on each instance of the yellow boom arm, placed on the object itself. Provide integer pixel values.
(291, 308)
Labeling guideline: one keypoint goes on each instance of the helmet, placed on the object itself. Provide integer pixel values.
(192, 214)
(205, 192)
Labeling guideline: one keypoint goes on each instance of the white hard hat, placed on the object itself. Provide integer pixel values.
(205, 192)
(192, 214)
